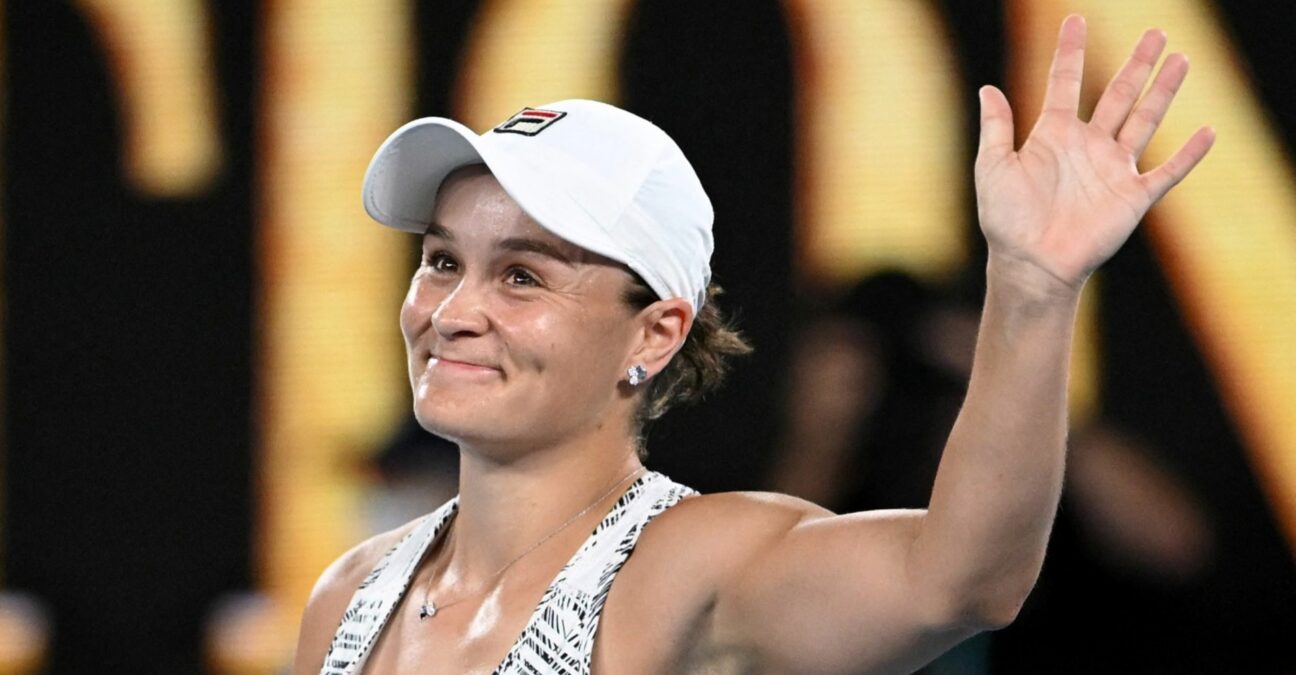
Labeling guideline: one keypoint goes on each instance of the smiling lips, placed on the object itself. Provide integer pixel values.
(463, 366)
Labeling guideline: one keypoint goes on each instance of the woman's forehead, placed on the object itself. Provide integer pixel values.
(473, 207)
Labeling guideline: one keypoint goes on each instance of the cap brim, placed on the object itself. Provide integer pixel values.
(401, 184)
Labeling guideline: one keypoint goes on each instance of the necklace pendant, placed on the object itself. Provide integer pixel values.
(428, 609)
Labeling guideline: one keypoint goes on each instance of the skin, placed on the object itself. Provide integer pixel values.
(763, 582)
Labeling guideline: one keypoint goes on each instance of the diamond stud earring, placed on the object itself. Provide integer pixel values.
(637, 374)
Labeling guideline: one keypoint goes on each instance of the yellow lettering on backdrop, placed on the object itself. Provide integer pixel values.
(1225, 235)
(531, 52)
(879, 160)
(338, 80)
(161, 57)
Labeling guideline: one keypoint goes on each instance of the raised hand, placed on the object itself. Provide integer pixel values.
(1070, 197)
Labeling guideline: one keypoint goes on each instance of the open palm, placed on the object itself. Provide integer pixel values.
(1070, 197)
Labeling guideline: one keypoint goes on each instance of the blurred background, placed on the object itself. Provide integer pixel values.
(204, 397)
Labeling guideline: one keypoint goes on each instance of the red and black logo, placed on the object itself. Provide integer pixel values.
(530, 121)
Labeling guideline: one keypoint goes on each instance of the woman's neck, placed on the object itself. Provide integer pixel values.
(505, 508)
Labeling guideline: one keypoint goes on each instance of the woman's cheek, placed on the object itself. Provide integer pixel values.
(407, 323)
(416, 312)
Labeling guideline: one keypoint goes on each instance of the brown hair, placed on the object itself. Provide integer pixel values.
(699, 367)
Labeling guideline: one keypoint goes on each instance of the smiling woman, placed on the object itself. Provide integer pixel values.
(565, 265)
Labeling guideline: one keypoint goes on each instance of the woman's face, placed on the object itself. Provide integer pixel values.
(515, 337)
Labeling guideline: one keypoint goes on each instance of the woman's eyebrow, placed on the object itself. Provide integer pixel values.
(536, 246)
(520, 244)
(438, 230)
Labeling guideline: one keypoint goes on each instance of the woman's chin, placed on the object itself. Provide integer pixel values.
(447, 426)
(459, 425)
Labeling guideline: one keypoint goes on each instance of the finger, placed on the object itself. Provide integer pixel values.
(1147, 116)
(1063, 92)
(1124, 89)
(1159, 180)
(996, 124)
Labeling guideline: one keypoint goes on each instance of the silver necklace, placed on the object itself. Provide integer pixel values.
(430, 607)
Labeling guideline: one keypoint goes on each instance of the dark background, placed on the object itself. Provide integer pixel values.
(129, 327)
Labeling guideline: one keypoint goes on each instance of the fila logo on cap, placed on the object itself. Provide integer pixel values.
(530, 121)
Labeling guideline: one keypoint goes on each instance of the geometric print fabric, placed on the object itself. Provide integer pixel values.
(559, 636)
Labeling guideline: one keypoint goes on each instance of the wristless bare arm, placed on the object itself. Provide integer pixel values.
(889, 590)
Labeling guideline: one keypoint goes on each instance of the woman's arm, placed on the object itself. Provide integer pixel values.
(890, 590)
(1052, 212)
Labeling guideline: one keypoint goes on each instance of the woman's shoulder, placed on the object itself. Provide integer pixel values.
(346, 573)
(761, 510)
(726, 526)
(685, 557)
(332, 593)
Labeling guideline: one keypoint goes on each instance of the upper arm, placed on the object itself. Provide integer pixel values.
(825, 593)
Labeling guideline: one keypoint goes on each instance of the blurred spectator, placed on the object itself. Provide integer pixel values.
(874, 388)
(1128, 559)
(1132, 512)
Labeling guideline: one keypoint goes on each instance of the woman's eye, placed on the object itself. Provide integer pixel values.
(520, 277)
(441, 262)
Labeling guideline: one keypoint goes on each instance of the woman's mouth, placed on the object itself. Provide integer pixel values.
(459, 367)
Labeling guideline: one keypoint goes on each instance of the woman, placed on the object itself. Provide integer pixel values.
(563, 300)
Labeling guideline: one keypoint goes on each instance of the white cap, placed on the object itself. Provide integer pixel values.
(595, 175)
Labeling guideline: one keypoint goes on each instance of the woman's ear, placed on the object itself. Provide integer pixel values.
(663, 327)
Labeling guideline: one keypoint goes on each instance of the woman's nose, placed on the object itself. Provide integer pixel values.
(460, 312)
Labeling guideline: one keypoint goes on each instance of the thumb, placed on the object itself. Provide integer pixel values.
(996, 124)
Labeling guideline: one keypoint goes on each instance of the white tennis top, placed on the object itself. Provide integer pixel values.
(559, 637)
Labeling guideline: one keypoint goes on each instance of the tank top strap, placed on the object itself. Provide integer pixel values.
(559, 638)
(373, 601)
